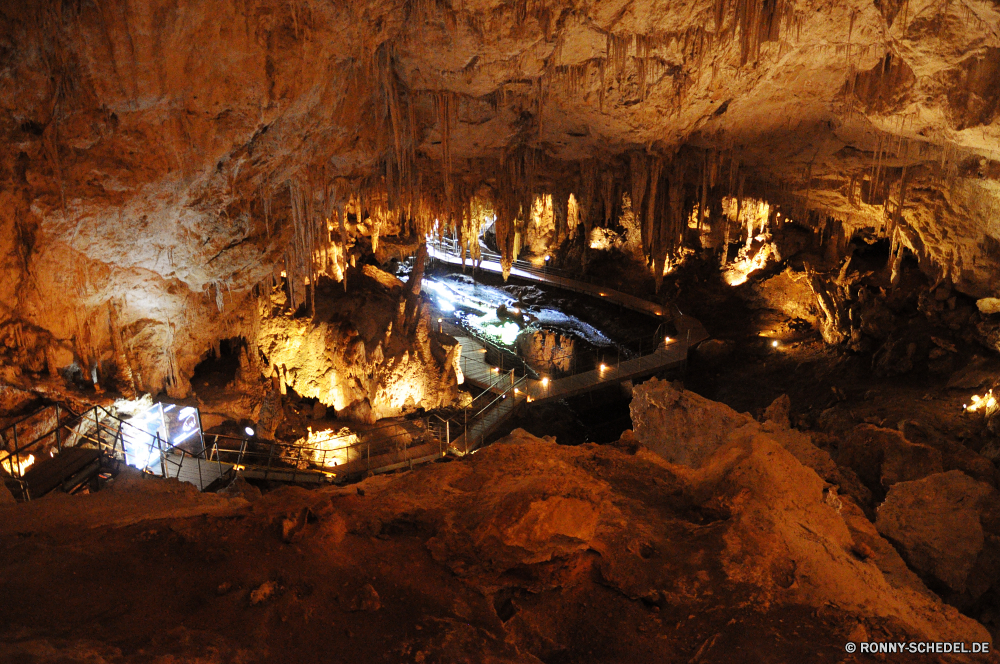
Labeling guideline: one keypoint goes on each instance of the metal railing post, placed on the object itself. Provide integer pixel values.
(270, 455)
(58, 437)
(163, 459)
(17, 456)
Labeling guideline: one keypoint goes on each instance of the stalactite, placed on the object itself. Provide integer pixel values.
(655, 164)
(639, 181)
(560, 211)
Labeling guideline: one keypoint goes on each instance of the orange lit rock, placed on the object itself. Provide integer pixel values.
(353, 357)
(935, 524)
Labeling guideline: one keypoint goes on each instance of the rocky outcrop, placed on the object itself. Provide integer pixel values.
(369, 353)
(149, 187)
(935, 523)
(526, 551)
(547, 351)
(883, 457)
(778, 412)
(682, 427)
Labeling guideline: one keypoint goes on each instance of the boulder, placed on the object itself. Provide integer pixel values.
(883, 457)
(978, 372)
(934, 523)
(778, 411)
(714, 351)
(988, 305)
(788, 292)
(681, 426)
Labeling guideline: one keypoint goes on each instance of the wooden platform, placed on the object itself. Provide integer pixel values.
(66, 470)
(666, 357)
(196, 470)
(392, 460)
(475, 368)
(441, 252)
(480, 429)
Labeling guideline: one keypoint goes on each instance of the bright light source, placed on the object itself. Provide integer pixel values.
(440, 319)
(495, 370)
(517, 391)
(987, 403)
(545, 382)
(774, 344)
(603, 366)
(248, 430)
(180, 439)
(548, 257)
(666, 340)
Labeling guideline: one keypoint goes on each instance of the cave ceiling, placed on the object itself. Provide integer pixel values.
(152, 150)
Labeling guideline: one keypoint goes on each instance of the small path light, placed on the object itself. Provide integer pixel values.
(248, 431)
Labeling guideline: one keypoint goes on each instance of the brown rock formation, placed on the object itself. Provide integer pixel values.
(159, 164)
(935, 524)
(369, 353)
(526, 551)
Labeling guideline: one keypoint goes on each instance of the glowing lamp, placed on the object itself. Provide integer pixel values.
(545, 382)
(774, 344)
(547, 258)
(248, 431)
(603, 366)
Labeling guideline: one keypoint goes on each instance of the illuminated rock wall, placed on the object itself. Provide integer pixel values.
(361, 355)
(158, 164)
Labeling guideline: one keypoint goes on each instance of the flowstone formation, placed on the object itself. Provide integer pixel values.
(368, 354)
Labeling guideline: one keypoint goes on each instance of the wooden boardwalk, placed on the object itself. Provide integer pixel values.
(442, 252)
(669, 355)
(198, 471)
(481, 428)
(66, 470)
(475, 368)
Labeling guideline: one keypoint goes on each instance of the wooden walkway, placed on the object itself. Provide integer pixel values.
(481, 428)
(475, 368)
(669, 355)
(444, 253)
(67, 470)
(195, 470)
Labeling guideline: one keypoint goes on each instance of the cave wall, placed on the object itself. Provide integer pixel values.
(161, 160)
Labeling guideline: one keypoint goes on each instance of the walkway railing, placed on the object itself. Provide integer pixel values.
(481, 417)
(97, 427)
(448, 249)
(335, 457)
